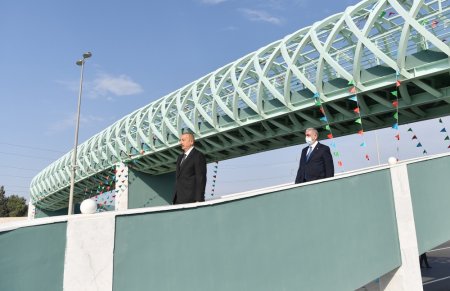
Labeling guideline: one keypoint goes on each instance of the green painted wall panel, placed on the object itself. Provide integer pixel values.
(430, 193)
(335, 235)
(41, 213)
(145, 190)
(32, 258)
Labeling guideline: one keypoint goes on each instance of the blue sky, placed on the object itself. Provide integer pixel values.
(142, 50)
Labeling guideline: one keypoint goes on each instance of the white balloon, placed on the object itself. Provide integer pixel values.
(88, 206)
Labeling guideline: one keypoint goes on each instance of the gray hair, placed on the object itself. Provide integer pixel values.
(190, 134)
(313, 130)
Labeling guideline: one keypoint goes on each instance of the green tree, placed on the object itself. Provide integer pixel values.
(12, 206)
(3, 201)
(17, 206)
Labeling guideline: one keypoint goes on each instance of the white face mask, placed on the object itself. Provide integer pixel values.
(308, 140)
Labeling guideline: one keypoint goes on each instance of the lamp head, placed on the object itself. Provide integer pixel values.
(87, 55)
(79, 62)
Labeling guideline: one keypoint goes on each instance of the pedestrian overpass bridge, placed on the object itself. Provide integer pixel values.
(352, 71)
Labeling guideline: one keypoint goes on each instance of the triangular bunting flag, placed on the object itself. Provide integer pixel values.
(340, 162)
(395, 126)
(352, 90)
(397, 84)
(358, 120)
(329, 135)
(394, 93)
(395, 104)
(443, 130)
(424, 152)
(356, 110)
(316, 95)
(360, 132)
(419, 145)
(367, 157)
(383, 13)
(410, 129)
(327, 127)
(397, 136)
(414, 137)
(333, 144)
(396, 115)
(321, 110)
(318, 103)
(363, 144)
(336, 154)
(324, 119)
(447, 138)
(434, 23)
(353, 98)
(351, 82)
(440, 120)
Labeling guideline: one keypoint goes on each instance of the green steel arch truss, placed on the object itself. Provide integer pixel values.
(264, 100)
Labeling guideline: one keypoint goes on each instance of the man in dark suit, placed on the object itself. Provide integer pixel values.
(190, 180)
(316, 161)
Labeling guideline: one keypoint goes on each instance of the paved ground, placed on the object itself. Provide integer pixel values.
(11, 219)
(437, 278)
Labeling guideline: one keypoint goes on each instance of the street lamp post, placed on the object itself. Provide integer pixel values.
(74, 156)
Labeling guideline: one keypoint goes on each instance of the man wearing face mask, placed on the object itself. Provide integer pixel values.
(316, 161)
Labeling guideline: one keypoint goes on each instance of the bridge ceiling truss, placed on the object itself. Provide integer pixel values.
(266, 99)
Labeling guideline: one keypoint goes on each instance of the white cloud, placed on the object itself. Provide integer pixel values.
(212, 2)
(273, 4)
(283, 4)
(260, 15)
(69, 123)
(70, 85)
(230, 28)
(105, 86)
(122, 85)
(301, 3)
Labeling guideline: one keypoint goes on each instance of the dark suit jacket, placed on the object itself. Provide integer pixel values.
(319, 166)
(190, 180)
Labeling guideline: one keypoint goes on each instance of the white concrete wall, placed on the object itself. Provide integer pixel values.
(88, 264)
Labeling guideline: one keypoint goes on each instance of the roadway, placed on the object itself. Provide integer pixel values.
(437, 278)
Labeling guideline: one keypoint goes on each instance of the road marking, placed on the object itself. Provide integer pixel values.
(435, 250)
(434, 281)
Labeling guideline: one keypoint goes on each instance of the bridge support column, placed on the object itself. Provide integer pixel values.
(121, 187)
(146, 190)
(407, 277)
(31, 210)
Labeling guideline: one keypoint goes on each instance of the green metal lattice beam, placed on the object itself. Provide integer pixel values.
(263, 100)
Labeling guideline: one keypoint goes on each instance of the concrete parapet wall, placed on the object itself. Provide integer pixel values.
(335, 234)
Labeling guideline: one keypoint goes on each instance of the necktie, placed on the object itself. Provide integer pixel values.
(183, 158)
(308, 154)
